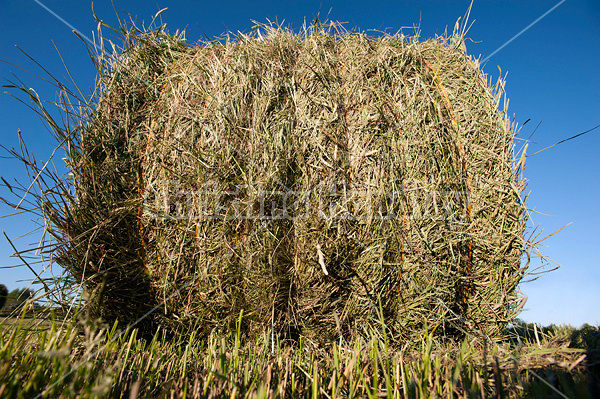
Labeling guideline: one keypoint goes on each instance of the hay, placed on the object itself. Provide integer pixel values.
(317, 181)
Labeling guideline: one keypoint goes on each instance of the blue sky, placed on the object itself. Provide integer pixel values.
(552, 79)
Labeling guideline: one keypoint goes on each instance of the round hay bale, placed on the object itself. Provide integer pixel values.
(319, 182)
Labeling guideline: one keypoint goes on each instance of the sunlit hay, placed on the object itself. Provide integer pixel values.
(320, 182)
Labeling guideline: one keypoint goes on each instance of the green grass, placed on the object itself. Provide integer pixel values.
(29, 323)
(74, 359)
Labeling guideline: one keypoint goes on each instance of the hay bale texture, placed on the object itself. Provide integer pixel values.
(318, 181)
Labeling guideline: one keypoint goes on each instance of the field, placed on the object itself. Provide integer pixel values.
(74, 359)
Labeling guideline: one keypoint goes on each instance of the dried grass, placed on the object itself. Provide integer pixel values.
(318, 181)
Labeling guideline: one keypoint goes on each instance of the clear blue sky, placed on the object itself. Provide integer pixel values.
(553, 78)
